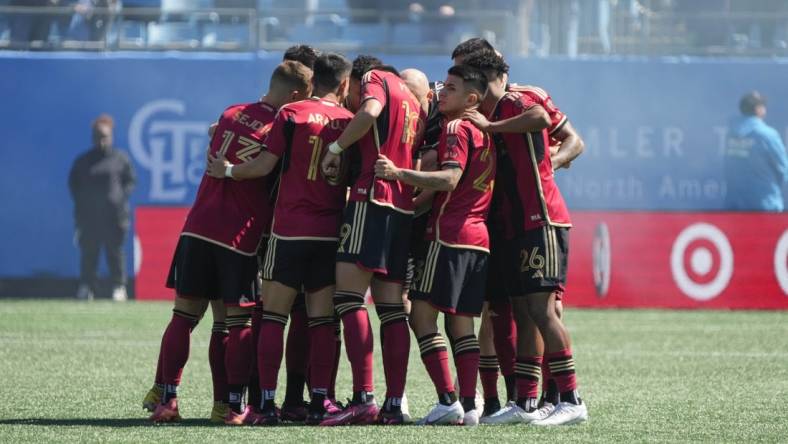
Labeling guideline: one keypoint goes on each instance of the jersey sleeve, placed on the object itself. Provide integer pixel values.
(373, 87)
(453, 147)
(275, 142)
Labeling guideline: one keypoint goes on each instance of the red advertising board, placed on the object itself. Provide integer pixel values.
(616, 259)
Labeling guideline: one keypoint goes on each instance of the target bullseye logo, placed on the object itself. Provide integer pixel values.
(601, 257)
(702, 261)
(781, 262)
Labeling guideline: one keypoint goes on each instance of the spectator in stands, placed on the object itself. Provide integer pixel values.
(36, 27)
(756, 164)
(101, 181)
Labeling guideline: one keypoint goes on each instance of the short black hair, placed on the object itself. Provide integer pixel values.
(750, 101)
(302, 53)
(488, 61)
(472, 78)
(329, 70)
(364, 63)
(470, 46)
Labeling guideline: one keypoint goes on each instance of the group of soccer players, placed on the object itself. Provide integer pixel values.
(349, 177)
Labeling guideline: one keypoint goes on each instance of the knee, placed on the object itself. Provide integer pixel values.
(239, 317)
(390, 314)
(346, 302)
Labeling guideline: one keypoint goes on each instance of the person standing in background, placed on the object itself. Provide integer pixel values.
(101, 181)
(756, 164)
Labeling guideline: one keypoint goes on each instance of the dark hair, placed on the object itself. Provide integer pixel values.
(487, 61)
(302, 53)
(470, 46)
(329, 70)
(750, 101)
(472, 78)
(364, 63)
(291, 75)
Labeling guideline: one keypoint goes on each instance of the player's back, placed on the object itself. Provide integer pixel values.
(307, 205)
(526, 171)
(458, 216)
(542, 98)
(232, 213)
(393, 135)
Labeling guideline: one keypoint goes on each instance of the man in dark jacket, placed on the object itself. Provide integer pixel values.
(101, 181)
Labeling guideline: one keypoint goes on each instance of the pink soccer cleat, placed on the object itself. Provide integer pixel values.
(167, 412)
(361, 414)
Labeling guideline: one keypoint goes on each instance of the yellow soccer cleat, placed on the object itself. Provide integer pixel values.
(219, 412)
(153, 398)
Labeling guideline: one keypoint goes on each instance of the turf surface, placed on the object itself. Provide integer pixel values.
(78, 371)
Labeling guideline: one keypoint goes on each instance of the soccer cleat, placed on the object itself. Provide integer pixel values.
(444, 415)
(294, 413)
(268, 418)
(405, 409)
(219, 411)
(354, 414)
(333, 407)
(471, 418)
(166, 412)
(565, 413)
(391, 418)
(152, 398)
(491, 406)
(314, 418)
(512, 414)
(119, 294)
(247, 417)
(546, 409)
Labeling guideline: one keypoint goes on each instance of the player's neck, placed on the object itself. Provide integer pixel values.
(454, 115)
(489, 102)
(326, 95)
(273, 100)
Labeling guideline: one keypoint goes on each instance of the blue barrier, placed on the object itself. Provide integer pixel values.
(654, 130)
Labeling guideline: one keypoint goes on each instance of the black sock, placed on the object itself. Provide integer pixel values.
(362, 397)
(170, 392)
(447, 398)
(552, 395)
(528, 404)
(294, 394)
(571, 397)
(316, 403)
(468, 403)
(235, 397)
(511, 387)
(392, 405)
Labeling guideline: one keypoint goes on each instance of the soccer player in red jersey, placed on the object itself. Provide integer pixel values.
(388, 121)
(536, 244)
(451, 273)
(305, 231)
(215, 256)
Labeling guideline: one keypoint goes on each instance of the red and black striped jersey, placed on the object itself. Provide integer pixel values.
(458, 217)
(393, 134)
(235, 214)
(525, 172)
(541, 97)
(307, 206)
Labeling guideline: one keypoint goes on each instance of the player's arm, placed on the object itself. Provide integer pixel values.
(442, 180)
(532, 119)
(219, 167)
(360, 123)
(572, 145)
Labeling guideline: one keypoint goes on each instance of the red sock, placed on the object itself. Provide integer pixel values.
(466, 360)
(270, 348)
(255, 396)
(436, 360)
(159, 378)
(358, 337)
(562, 368)
(216, 353)
(395, 339)
(337, 354)
(321, 355)
(297, 349)
(527, 371)
(504, 335)
(238, 355)
(488, 373)
(175, 347)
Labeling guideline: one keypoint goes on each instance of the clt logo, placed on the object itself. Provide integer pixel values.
(601, 259)
(172, 150)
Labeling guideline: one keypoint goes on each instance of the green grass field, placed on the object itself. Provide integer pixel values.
(78, 371)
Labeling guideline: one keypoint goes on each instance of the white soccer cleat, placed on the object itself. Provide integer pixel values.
(512, 414)
(405, 409)
(84, 293)
(565, 413)
(119, 294)
(479, 402)
(546, 410)
(444, 415)
(471, 418)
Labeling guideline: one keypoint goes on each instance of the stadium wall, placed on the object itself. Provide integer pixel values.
(654, 131)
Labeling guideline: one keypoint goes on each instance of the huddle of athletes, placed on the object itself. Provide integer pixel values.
(348, 177)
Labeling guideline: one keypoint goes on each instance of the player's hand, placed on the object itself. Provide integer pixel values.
(330, 165)
(385, 168)
(216, 165)
(477, 119)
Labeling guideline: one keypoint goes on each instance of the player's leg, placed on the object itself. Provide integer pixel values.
(296, 361)
(116, 261)
(89, 247)
(550, 395)
(254, 395)
(530, 352)
(505, 339)
(322, 352)
(216, 352)
(488, 364)
(466, 361)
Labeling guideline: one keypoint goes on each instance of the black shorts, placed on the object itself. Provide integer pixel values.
(496, 286)
(375, 238)
(206, 270)
(536, 261)
(451, 279)
(300, 264)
